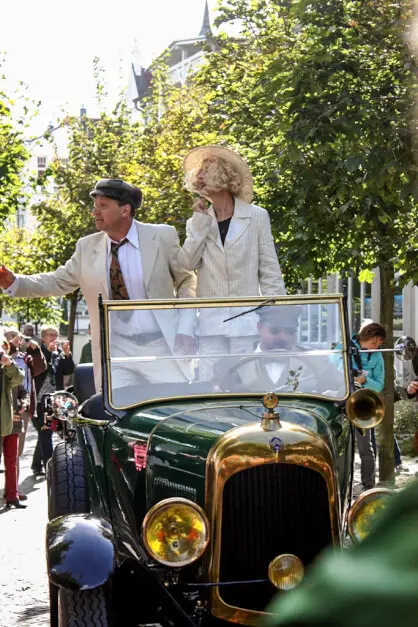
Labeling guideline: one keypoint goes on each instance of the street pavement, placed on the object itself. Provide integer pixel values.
(23, 579)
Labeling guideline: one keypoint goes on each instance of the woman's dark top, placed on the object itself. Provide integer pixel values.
(223, 229)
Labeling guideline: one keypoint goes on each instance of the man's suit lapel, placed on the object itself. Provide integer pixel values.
(99, 262)
(148, 248)
(239, 223)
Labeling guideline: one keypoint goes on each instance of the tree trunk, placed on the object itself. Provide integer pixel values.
(386, 451)
(71, 320)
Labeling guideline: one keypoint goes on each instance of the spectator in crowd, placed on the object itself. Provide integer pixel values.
(29, 332)
(369, 372)
(230, 245)
(412, 387)
(32, 362)
(21, 402)
(10, 377)
(59, 363)
(86, 354)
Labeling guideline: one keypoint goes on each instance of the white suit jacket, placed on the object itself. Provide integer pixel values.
(87, 269)
(246, 265)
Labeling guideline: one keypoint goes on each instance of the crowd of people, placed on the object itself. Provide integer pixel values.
(30, 369)
(229, 251)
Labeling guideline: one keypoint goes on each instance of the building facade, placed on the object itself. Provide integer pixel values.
(184, 57)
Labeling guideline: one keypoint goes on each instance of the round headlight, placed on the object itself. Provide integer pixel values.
(176, 532)
(286, 571)
(365, 511)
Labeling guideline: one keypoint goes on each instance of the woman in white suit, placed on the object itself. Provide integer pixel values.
(230, 245)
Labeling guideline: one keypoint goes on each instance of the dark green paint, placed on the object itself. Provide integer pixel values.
(178, 438)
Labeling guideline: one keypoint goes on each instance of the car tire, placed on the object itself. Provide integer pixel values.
(83, 608)
(53, 605)
(68, 493)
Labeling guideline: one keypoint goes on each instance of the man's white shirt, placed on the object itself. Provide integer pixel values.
(274, 369)
(130, 261)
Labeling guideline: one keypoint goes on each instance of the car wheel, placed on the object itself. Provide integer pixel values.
(68, 493)
(83, 608)
(48, 487)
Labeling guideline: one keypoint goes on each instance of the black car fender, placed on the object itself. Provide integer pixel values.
(80, 551)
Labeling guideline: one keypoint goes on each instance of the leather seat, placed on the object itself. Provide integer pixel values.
(84, 382)
(94, 408)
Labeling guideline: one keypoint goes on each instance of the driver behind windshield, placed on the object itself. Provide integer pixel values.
(283, 364)
(277, 329)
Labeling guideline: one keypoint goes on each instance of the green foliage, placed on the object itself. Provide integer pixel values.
(177, 119)
(319, 98)
(406, 417)
(320, 101)
(105, 147)
(18, 251)
(13, 156)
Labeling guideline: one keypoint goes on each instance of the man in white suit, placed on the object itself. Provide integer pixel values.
(125, 259)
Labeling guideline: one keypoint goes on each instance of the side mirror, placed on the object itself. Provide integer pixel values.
(405, 348)
(64, 406)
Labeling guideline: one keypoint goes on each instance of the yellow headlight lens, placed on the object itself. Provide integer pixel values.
(286, 571)
(175, 532)
(365, 511)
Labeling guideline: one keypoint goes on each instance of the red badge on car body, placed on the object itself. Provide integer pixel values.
(140, 455)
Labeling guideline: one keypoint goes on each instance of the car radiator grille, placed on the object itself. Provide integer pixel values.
(267, 511)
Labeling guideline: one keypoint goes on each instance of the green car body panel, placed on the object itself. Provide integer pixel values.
(176, 440)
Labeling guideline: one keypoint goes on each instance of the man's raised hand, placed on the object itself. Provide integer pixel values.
(6, 277)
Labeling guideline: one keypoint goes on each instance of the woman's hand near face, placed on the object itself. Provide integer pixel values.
(200, 206)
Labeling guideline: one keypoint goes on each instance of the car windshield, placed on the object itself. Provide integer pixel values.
(156, 350)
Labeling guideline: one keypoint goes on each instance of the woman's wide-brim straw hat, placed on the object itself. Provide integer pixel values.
(194, 159)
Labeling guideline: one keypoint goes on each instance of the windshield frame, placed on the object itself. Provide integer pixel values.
(108, 306)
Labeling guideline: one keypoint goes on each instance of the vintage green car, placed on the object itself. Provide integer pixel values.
(197, 486)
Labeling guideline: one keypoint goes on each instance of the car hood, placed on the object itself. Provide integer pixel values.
(180, 443)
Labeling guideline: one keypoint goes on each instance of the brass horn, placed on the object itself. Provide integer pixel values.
(365, 409)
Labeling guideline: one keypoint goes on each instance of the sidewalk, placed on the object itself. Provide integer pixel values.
(408, 473)
(23, 580)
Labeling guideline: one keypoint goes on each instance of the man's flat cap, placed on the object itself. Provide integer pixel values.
(118, 190)
(282, 316)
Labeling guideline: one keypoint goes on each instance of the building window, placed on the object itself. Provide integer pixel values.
(41, 178)
(41, 162)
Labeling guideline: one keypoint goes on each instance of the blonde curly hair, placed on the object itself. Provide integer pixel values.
(223, 177)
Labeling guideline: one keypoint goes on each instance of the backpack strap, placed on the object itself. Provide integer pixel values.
(356, 356)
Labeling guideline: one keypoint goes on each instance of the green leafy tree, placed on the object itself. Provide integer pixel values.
(104, 147)
(321, 102)
(176, 120)
(13, 156)
(17, 252)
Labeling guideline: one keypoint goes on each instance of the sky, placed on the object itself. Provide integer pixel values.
(50, 45)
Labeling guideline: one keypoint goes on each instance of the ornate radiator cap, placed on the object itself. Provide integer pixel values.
(270, 401)
(270, 420)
